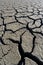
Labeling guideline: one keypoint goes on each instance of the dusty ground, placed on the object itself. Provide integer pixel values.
(21, 32)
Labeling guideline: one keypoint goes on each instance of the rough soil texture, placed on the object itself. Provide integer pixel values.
(21, 32)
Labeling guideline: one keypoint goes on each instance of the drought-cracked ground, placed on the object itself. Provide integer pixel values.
(21, 33)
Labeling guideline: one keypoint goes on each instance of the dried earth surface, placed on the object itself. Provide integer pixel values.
(21, 32)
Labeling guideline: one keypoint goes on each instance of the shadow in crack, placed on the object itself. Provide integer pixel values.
(21, 51)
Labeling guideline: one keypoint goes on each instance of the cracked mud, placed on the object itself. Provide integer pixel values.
(21, 34)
